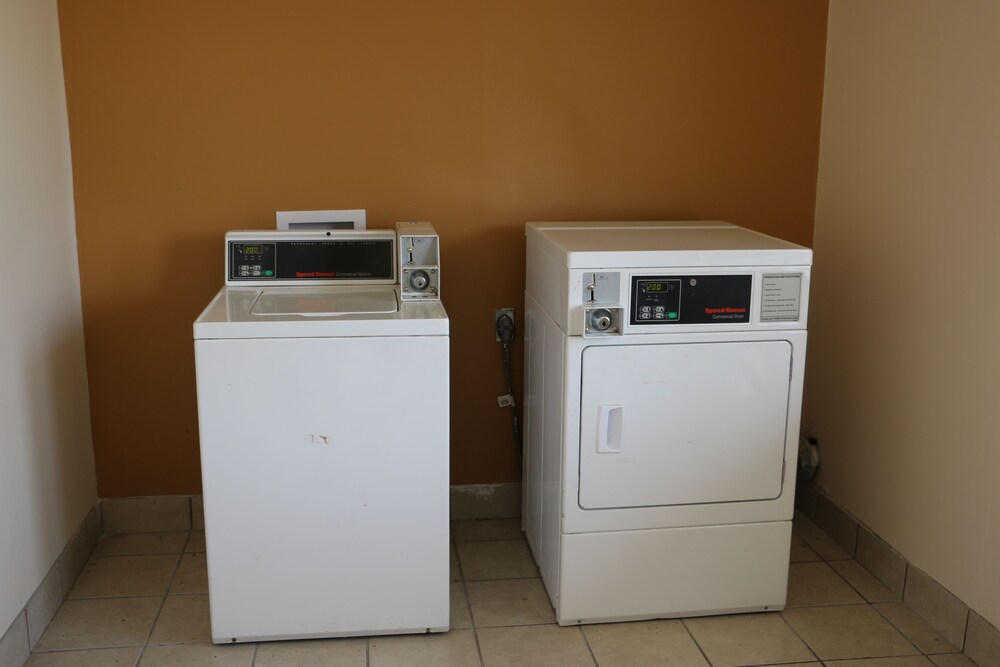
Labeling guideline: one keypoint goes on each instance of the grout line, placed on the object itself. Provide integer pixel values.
(253, 655)
(906, 579)
(159, 611)
(965, 633)
(453, 545)
(849, 584)
(693, 639)
(900, 630)
(795, 632)
(590, 649)
(368, 651)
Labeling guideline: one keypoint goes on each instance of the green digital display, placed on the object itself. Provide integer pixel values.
(252, 249)
(657, 287)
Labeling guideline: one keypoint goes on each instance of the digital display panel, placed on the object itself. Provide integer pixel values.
(326, 259)
(655, 288)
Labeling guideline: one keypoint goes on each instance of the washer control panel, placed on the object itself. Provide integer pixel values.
(696, 299)
(310, 257)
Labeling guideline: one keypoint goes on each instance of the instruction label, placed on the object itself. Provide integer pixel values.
(779, 300)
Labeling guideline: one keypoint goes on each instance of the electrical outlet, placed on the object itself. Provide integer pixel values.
(497, 314)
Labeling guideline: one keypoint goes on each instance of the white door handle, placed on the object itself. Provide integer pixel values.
(610, 419)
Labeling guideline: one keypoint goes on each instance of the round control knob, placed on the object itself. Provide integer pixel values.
(419, 280)
(600, 319)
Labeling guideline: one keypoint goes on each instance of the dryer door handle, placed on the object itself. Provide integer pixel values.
(610, 420)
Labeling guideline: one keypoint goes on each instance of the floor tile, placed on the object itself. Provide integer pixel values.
(456, 648)
(100, 623)
(197, 655)
(747, 639)
(118, 576)
(863, 581)
(811, 584)
(496, 559)
(139, 544)
(914, 628)
(817, 540)
(184, 619)
(313, 653)
(102, 657)
(801, 552)
(537, 646)
(509, 602)
(660, 643)
(486, 529)
(856, 631)
(461, 617)
(192, 575)
(952, 660)
(904, 661)
(197, 542)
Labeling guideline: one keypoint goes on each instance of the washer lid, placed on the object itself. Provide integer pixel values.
(306, 302)
(317, 312)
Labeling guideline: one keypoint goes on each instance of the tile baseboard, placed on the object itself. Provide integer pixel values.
(942, 610)
(156, 514)
(147, 514)
(27, 627)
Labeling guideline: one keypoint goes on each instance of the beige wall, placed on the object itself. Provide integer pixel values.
(903, 385)
(189, 118)
(47, 481)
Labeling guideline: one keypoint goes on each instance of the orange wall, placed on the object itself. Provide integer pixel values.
(189, 118)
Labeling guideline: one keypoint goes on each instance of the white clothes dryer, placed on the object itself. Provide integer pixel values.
(323, 413)
(664, 367)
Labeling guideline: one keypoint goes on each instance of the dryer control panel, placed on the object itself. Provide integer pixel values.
(696, 299)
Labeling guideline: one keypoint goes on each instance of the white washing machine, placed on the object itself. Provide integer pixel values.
(323, 412)
(664, 365)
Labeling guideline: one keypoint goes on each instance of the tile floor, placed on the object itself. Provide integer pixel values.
(142, 600)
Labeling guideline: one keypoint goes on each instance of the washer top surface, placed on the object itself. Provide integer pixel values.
(305, 302)
(317, 312)
(663, 244)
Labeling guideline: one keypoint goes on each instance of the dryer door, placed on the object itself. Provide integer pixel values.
(686, 423)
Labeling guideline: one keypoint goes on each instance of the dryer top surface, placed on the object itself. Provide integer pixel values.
(663, 244)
